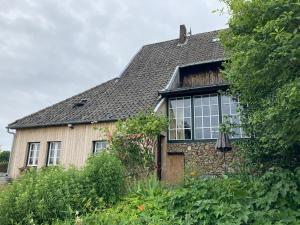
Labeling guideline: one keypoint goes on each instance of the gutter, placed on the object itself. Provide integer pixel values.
(11, 151)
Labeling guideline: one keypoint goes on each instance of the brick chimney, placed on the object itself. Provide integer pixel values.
(182, 34)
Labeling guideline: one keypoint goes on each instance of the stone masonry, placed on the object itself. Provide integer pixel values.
(204, 159)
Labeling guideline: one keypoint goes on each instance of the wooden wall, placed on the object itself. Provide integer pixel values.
(76, 144)
(201, 78)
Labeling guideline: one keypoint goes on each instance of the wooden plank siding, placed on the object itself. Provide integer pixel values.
(201, 78)
(76, 144)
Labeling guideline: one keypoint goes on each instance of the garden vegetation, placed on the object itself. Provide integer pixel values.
(262, 43)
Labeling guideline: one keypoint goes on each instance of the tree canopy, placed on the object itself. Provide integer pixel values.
(263, 47)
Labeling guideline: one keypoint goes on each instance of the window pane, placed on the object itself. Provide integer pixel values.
(172, 104)
(206, 122)
(179, 113)
(197, 101)
(214, 110)
(187, 102)
(198, 133)
(172, 124)
(198, 122)
(187, 112)
(210, 116)
(188, 134)
(179, 103)
(180, 122)
(187, 123)
(214, 121)
(215, 132)
(205, 100)
(206, 111)
(100, 146)
(230, 110)
(172, 134)
(225, 109)
(233, 108)
(180, 134)
(225, 99)
(214, 99)
(207, 133)
(181, 119)
(172, 113)
(198, 111)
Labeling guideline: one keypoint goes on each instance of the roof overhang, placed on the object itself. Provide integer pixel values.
(192, 91)
(12, 126)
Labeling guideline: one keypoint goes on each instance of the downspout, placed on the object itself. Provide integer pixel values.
(11, 151)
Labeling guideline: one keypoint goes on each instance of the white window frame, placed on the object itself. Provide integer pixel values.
(103, 144)
(35, 148)
(55, 147)
(210, 127)
(184, 117)
(232, 101)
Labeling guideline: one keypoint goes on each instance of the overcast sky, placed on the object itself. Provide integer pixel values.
(53, 49)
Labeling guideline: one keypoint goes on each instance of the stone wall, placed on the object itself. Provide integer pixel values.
(203, 158)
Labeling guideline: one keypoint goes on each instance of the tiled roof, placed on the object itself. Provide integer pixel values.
(137, 88)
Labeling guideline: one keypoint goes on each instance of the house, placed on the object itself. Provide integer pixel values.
(179, 78)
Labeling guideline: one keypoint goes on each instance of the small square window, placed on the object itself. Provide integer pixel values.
(99, 146)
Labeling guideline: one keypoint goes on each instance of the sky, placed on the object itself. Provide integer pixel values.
(53, 49)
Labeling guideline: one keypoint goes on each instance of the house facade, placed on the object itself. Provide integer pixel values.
(179, 78)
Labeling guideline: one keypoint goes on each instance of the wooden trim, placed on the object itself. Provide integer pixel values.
(175, 153)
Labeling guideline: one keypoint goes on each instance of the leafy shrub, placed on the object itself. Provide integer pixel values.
(135, 140)
(262, 43)
(4, 156)
(46, 195)
(272, 199)
(106, 172)
(3, 167)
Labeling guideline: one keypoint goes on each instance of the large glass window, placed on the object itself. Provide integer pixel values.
(100, 146)
(180, 116)
(209, 111)
(230, 113)
(54, 153)
(206, 116)
(33, 154)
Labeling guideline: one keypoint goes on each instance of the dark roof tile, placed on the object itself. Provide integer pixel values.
(137, 88)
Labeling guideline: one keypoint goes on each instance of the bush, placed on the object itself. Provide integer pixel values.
(135, 140)
(4, 156)
(3, 167)
(106, 172)
(272, 199)
(47, 195)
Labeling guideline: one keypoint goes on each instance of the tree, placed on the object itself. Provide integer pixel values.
(263, 47)
(4, 156)
(134, 142)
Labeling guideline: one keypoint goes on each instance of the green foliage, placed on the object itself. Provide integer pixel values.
(134, 142)
(3, 167)
(272, 199)
(262, 43)
(51, 194)
(46, 195)
(106, 172)
(4, 156)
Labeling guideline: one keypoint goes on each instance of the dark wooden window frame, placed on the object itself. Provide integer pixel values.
(94, 145)
(192, 95)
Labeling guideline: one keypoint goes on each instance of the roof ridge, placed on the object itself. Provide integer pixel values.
(193, 35)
